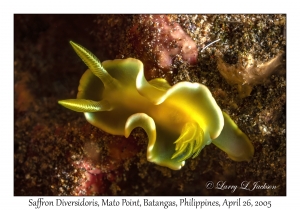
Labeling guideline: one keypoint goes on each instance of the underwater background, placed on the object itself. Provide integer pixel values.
(57, 152)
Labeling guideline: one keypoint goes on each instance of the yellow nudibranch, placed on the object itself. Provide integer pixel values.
(179, 120)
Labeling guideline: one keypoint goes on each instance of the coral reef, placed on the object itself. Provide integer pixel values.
(158, 42)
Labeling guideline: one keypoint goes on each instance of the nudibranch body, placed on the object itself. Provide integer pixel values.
(179, 120)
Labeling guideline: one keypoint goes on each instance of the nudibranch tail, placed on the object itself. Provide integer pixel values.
(83, 105)
(189, 143)
(94, 65)
(234, 142)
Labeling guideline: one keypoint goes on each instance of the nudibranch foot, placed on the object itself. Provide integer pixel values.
(234, 142)
(147, 123)
(154, 149)
(83, 105)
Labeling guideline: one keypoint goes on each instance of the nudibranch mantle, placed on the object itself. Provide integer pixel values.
(179, 120)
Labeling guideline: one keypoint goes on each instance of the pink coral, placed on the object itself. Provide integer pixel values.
(96, 173)
(91, 181)
(157, 41)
